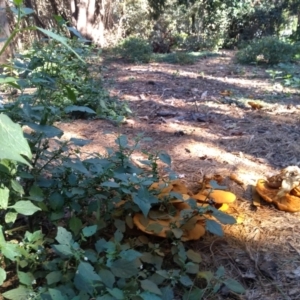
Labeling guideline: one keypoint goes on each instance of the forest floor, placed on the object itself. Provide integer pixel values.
(200, 114)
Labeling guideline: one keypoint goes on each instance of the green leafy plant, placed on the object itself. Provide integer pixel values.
(135, 50)
(269, 50)
(64, 220)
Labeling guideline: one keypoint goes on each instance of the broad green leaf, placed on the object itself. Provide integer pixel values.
(76, 165)
(186, 280)
(118, 236)
(25, 208)
(220, 272)
(89, 230)
(10, 217)
(214, 184)
(217, 287)
(195, 293)
(77, 33)
(116, 293)
(177, 233)
(2, 276)
(75, 225)
(105, 297)
(101, 245)
(56, 294)
(163, 273)
(80, 142)
(167, 293)
(20, 292)
(86, 278)
(53, 277)
(107, 278)
(26, 278)
(46, 130)
(123, 177)
(6, 80)
(223, 217)
(2, 239)
(64, 250)
(193, 256)
(192, 268)
(36, 193)
(4, 195)
(142, 203)
(12, 142)
(36, 236)
(122, 141)
(26, 11)
(149, 296)
(155, 227)
(17, 187)
(214, 227)
(206, 275)
(56, 201)
(130, 254)
(60, 39)
(91, 255)
(120, 225)
(165, 157)
(70, 94)
(57, 215)
(85, 109)
(10, 80)
(10, 251)
(63, 236)
(123, 268)
(148, 285)
(234, 286)
(111, 184)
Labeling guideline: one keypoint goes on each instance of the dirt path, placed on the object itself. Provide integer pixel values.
(201, 116)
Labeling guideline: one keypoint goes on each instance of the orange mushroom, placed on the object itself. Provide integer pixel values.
(218, 196)
(191, 229)
(288, 202)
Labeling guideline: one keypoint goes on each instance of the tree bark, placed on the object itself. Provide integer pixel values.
(90, 19)
(4, 32)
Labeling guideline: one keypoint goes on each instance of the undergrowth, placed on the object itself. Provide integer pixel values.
(136, 50)
(269, 50)
(64, 233)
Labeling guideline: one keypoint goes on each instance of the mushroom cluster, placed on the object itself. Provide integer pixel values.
(282, 189)
(177, 217)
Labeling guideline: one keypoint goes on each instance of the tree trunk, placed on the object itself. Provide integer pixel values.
(4, 32)
(90, 19)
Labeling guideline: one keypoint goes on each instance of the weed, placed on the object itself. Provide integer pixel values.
(269, 50)
(135, 50)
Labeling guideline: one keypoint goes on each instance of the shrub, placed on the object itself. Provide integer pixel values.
(77, 84)
(181, 58)
(270, 50)
(135, 50)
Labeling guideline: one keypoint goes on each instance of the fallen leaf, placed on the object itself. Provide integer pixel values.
(234, 178)
(203, 95)
(226, 93)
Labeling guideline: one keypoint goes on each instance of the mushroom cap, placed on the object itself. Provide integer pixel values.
(289, 202)
(219, 196)
(193, 229)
